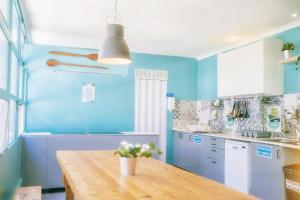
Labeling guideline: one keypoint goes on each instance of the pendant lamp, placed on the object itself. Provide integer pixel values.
(115, 50)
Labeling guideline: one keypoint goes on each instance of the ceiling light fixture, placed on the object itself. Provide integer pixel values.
(115, 50)
(295, 14)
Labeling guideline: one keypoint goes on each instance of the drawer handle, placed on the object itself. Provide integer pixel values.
(213, 162)
(213, 139)
(213, 144)
(213, 150)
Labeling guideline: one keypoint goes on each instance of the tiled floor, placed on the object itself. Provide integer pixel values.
(54, 196)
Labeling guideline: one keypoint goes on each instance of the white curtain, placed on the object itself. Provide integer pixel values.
(151, 104)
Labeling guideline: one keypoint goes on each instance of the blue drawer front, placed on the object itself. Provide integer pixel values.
(263, 150)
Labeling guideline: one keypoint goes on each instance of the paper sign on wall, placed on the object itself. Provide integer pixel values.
(88, 93)
(274, 118)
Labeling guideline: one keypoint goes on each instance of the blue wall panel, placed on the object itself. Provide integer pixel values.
(207, 78)
(54, 98)
(291, 75)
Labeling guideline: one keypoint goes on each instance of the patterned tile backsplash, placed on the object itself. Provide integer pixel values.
(263, 114)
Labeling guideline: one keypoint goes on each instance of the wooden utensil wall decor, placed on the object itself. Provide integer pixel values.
(55, 63)
(92, 56)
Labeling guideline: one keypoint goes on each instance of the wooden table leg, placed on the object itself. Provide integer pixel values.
(68, 190)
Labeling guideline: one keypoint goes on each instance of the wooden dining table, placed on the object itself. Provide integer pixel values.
(95, 175)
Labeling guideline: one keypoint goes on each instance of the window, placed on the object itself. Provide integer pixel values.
(14, 74)
(21, 76)
(3, 124)
(3, 60)
(11, 75)
(21, 120)
(15, 26)
(12, 121)
(22, 42)
(4, 5)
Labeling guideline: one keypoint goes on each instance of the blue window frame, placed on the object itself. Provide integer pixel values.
(4, 47)
(12, 75)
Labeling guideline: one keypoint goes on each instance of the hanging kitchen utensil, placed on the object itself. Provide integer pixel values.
(92, 56)
(54, 63)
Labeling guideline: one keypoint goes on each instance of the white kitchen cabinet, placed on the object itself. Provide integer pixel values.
(251, 69)
(227, 71)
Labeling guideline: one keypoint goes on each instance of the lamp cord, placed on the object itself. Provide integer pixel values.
(116, 17)
(116, 2)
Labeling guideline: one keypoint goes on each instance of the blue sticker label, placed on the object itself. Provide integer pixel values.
(197, 139)
(265, 151)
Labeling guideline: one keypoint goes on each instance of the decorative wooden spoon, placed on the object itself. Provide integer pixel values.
(92, 56)
(54, 63)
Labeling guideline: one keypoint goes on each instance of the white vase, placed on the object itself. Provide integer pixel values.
(128, 166)
(286, 54)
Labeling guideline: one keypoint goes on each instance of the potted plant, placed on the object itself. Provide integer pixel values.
(129, 153)
(287, 47)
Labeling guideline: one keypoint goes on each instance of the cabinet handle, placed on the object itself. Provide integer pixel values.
(278, 153)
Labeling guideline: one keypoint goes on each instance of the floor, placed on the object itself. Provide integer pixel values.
(54, 196)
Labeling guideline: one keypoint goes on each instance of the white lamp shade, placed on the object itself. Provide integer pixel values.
(115, 50)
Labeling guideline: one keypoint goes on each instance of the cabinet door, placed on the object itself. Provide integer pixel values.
(227, 74)
(214, 169)
(250, 69)
(194, 154)
(179, 150)
(266, 172)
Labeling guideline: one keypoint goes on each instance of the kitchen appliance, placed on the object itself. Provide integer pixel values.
(255, 133)
(237, 165)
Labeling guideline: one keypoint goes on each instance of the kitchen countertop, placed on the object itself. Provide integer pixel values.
(241, 138)
(139, 133)
(112, 133)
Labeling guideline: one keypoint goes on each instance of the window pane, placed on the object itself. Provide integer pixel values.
(12, 121)
(4, 8)
(15, 26)
(3, 124)
(14, 74)
(20, 83)
(21, 120)
(22, 42)
(3, 60)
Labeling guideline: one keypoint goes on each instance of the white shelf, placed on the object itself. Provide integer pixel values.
(290, 60)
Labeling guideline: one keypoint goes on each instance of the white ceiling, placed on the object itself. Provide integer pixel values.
(184, 28)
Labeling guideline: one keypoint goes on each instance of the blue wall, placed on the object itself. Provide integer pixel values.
(207, 78)
(291, 76)
(207, 70)
(54, 98)
(10, 170)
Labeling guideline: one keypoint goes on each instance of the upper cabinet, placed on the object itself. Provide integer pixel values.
(251, 69)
